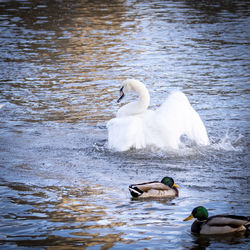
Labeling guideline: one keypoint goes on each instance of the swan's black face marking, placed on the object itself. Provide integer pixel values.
(121, 94)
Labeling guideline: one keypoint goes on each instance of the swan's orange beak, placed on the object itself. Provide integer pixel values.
(121, 95)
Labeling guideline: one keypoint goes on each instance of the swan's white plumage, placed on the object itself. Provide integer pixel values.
(137, 127)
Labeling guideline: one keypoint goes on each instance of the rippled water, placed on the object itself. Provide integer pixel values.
(62, 63)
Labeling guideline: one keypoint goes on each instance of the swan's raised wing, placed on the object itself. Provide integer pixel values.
(181, 118)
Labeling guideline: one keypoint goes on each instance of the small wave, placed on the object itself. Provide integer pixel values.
(229, 143)
(2, 105)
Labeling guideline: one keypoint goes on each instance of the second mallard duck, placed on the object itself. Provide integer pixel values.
(167, 188)
(217, 224)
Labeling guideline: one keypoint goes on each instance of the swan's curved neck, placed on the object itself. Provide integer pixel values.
(139, 106)
(144, 97)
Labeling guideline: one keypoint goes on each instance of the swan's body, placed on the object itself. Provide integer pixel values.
(137, 127)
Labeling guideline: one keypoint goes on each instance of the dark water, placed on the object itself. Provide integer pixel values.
(61, 65)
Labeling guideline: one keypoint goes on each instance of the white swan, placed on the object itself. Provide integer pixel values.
(137, 127)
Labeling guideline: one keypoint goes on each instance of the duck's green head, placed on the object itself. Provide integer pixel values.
(200, 213)
(169, 182)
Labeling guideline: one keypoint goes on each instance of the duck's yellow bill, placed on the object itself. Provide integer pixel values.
(189, 217)
(175, 185)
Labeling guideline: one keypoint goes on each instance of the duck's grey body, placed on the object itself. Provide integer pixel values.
(152, 189)
(221, 224)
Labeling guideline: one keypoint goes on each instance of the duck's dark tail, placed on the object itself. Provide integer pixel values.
(135, 191)
(247, 225)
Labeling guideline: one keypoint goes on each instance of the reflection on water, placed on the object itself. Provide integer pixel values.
(231, 240)
(71, 216)
(62, 63)
(78, 47)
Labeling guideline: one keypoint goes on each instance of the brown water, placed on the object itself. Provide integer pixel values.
(62, 63)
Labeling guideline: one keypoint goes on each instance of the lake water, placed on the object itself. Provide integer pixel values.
(62, 63)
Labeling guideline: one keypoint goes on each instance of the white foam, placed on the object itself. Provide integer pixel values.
(228, 143)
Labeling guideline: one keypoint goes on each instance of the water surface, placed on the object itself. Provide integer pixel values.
(62, 64)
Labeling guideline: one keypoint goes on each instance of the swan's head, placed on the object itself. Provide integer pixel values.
(127, 86)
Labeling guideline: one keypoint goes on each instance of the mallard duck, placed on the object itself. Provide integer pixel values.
(167, 188)
(217, 224)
